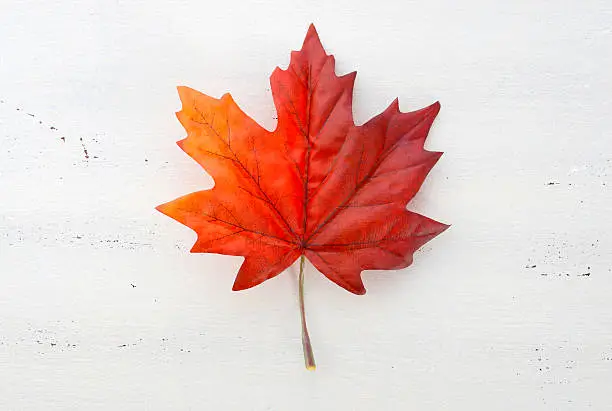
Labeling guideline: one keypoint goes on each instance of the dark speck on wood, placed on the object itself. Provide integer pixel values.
(84, 149)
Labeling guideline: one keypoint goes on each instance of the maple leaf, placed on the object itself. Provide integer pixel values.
(318, 186)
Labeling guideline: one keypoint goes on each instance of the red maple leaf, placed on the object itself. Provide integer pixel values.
(318, 186)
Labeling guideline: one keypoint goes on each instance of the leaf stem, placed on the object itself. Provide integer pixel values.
(307, 347)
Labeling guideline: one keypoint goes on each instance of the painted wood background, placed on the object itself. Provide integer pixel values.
(103, 308)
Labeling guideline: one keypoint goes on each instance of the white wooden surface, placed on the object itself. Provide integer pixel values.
(103, 308)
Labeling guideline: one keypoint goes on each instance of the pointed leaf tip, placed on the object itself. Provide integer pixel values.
(184, 90)
(239, 284)
(312, 31)
(312, 41)
(394, 106)
(435, 107)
